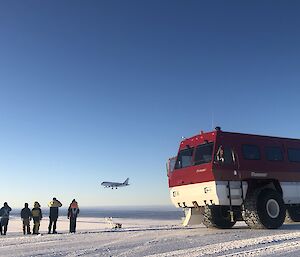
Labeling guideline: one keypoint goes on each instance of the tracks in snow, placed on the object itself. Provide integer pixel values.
(260, 246)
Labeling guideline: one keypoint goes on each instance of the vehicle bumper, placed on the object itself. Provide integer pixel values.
(209, 193)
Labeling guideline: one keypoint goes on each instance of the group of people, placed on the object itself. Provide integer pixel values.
(36, 215)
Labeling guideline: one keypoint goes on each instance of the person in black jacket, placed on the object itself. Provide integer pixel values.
(26, 216)
(4, 213)
(53, 216)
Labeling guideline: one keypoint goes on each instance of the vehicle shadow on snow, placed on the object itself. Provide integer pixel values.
(292, 226)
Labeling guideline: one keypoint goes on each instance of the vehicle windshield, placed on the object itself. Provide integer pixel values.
(204, 153)
(184, 158)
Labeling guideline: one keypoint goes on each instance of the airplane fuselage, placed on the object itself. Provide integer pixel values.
(115, 184)
(112, 184)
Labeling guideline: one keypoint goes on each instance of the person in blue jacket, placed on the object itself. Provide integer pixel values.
(4, 214)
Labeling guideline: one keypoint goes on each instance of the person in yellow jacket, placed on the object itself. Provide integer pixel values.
(36, 216)
(53, 215)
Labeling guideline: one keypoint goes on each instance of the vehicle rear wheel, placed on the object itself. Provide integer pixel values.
(217, 217)
(292, 214)
(264, 209)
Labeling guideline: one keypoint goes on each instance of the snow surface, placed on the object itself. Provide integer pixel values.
(156, 238)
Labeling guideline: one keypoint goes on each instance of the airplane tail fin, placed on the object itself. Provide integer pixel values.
(126, 181)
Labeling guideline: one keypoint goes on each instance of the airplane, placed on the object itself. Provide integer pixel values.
(115, 184)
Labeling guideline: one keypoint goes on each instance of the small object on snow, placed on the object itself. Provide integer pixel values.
(113, 225)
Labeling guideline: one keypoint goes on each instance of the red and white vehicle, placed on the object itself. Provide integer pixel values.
(223, 177)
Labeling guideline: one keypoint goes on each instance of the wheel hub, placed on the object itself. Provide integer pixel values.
(273, 208)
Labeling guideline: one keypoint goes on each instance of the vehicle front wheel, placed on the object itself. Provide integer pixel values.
(217, 217)
(264, 209)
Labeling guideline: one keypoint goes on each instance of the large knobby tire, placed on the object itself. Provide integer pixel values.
(264, 209)
(217, 217)
(292, 214)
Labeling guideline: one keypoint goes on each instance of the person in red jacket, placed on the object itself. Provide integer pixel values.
(73, 212)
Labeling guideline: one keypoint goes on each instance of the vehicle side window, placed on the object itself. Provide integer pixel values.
(184, 158)
(224, 155)
(251, 152)
(274, 154)
(171, 164)
(204, 153)
(294, 154)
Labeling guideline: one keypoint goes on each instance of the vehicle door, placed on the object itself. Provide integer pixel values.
(225, 163)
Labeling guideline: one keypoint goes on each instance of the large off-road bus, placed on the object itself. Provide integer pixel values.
(222, 177)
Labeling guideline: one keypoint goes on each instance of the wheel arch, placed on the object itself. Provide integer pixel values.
(273, 184)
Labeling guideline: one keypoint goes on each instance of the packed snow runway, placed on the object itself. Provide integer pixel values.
(156, 238)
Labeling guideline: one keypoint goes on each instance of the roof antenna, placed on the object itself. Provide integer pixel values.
(212, 120)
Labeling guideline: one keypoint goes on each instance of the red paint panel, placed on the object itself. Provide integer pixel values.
(191, 175)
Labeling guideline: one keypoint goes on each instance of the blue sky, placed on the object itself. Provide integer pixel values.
(104, 90)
